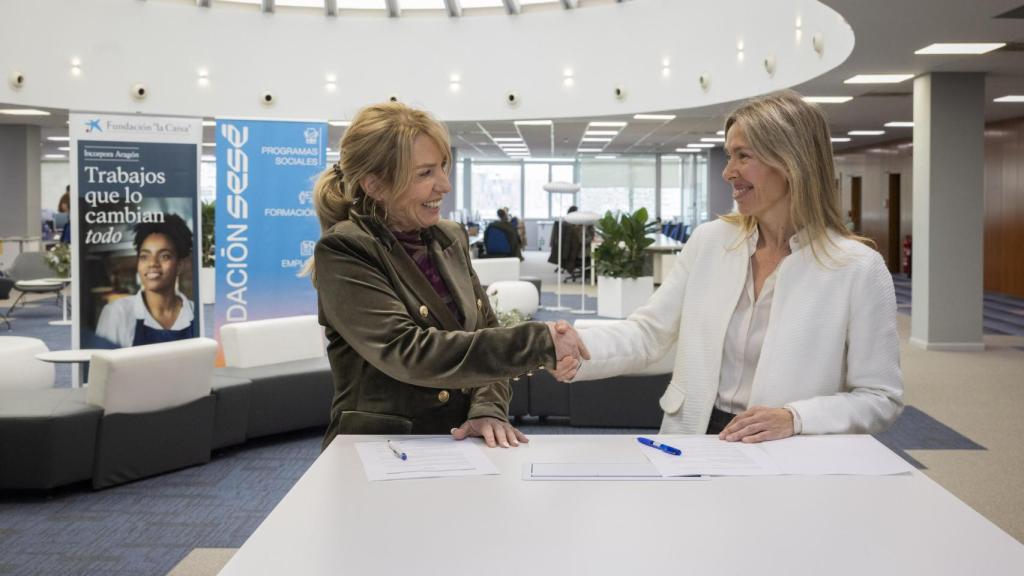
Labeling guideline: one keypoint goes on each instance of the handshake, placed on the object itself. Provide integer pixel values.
(570, 351)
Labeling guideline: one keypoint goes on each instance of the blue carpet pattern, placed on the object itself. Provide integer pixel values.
(1002, 314)
(148, 526)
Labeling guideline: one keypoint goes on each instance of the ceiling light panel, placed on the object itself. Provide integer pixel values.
(665, 117)
(878, 78)
(899, 124)
(961, 48)
(866, 132)
(23, 112)
(601, 133)
(828, 99)
(1010, 98)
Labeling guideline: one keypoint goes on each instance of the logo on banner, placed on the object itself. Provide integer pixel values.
(312, 135)
(93, 126)
(237, 249)
(306, 248)
(305, 197)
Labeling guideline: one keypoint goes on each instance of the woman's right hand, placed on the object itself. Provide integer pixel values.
(570, 351)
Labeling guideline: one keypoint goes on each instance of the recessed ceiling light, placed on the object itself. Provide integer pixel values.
(1010, 98)
(59, 138)
(605, 157)
(339, 122)
(507, 139)
(654, 116)
(533, 122)
(209, 122)
(720, 132)
(54, 156)
(715, 139)
(866, 132)
(828, 99)
(608, 124)
(689, 150)
(700, 145)
(595, 140)
(601, 133)
(899, 124)
(841, 139)
(24, 112)
(961, 48)
(589, 149)
(64, 149)
(878, 78)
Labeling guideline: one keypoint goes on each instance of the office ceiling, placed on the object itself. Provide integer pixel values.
(887, 34)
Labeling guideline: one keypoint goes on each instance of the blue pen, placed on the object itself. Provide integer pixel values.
(659, 446)
(400, 454)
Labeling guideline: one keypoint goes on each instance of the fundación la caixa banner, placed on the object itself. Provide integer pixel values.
(266, 226)
(135, 229)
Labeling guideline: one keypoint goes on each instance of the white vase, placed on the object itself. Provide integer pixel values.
(208, 285)
(618, 297)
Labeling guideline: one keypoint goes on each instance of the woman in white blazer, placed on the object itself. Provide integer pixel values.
(783, 321)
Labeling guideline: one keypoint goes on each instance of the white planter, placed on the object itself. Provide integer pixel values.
(208, 285)
(618, 297)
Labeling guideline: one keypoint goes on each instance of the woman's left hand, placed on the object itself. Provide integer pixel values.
(759, 424)
(494, 432)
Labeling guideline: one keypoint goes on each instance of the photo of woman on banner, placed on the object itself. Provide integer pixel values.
(159, 311)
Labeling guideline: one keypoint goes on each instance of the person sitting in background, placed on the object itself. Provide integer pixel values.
(501, 239)
(63, 216)
(158, 312)
(783, 321)
(413, 342)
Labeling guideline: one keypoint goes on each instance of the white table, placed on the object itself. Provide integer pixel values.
(80, 356)
(335, 522)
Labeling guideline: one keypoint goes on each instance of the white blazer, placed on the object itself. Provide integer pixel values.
(831, 351)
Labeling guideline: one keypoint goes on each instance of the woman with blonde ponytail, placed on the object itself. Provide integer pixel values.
(412, 340)
(783, 322)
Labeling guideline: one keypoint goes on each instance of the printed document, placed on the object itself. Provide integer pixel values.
(709, 456)
(425, 458)
(854, 454)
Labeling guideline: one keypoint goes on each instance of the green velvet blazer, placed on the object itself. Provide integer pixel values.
(401, 361)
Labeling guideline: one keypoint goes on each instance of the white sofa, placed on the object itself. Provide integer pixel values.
(19, 368)
(491, 270)
(276, 379)
(157, 409)
(264, 342)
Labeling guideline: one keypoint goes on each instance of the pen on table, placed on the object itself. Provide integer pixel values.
(398, 453)
(659, 446)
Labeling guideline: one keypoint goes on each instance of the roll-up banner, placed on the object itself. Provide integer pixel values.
(266, 227)
(135, 232)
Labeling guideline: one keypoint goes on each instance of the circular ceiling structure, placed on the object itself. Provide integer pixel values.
(227, 59)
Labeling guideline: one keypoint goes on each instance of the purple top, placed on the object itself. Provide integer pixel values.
(416, 248)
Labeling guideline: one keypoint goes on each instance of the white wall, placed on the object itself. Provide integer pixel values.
(53, 177)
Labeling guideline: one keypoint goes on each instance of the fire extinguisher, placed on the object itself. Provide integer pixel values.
(907, 243)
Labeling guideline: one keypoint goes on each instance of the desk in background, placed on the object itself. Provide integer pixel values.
(333, 521)
(663, 255)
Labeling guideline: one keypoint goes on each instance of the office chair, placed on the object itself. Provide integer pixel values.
(31, 266)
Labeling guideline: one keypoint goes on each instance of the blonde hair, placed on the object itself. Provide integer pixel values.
(792, 136)
(377, 144)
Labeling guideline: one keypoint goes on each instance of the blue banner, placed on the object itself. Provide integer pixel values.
(266, 224)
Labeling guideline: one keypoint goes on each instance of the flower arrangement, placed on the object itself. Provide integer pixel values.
(623, 240)
(58, 259)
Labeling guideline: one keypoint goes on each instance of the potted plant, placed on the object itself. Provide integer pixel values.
(58, 259)
(619, 259)
(208, 273)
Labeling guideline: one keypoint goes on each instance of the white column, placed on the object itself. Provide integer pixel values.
(19, 183)
(719, 191)
(949, 148)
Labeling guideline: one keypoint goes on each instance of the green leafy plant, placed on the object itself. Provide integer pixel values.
(623, 239)
(209, 215)
(58, 259)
